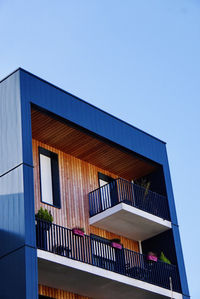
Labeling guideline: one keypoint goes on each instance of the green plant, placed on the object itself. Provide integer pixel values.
(44, 215)
(164, 259)
(144, 183)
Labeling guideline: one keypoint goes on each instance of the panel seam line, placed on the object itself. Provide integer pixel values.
(12, 251)
(15, 168)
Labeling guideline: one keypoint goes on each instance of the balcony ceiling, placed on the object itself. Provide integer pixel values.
(85, 146)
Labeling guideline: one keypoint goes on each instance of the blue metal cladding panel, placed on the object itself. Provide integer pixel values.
(180, 260)
(10, 124)
(47, 96)
(13, 274)
(175, 228)
(29, 207)
(16, 204)
(169, 189)
(17, 279)
(11, 170)
(31, 267)
(12, 230)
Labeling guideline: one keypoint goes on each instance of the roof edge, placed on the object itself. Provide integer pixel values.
(93, 106)
(10, 74)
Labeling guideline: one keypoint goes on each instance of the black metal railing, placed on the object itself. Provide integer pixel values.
(120, 190)
(100, 253)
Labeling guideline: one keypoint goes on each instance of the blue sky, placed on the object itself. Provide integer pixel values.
(138, 60)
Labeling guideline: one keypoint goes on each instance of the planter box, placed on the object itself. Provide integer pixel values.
(116, 245)
(77, 232)
(152, 258)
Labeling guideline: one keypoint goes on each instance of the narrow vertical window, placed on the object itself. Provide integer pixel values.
(49, 177)
(46, 179)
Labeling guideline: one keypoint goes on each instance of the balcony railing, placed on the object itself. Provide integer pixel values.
(100, 253)
(122, 191)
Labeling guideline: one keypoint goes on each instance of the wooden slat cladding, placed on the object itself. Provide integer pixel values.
(77, 179)
(87, 147)
(58, 294)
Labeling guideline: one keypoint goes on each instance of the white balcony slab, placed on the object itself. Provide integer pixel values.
(130, 222)
(87, 280)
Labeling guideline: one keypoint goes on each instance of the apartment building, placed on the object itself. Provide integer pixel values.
(86, 201)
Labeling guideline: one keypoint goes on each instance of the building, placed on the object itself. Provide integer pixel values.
(92, 171)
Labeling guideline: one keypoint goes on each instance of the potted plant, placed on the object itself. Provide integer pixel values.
(44, 221)
(78, 231)
(164, 259)
(45, 215)
(151, 256)
(144, 183)
(115, 243)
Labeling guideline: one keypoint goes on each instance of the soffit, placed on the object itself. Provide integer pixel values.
(79, 143)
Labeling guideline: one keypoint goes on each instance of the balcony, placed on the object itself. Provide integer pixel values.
(81, 263)
(129, 210)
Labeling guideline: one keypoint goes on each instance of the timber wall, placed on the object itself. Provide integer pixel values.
(77, 179)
